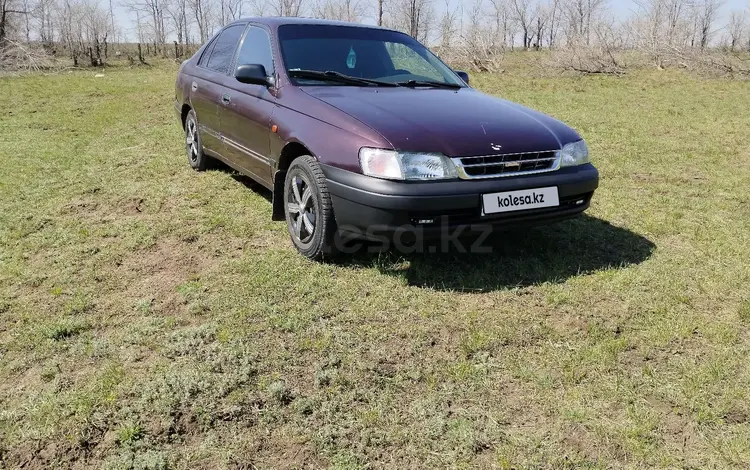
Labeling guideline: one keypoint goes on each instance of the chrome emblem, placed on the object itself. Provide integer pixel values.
(496, 147)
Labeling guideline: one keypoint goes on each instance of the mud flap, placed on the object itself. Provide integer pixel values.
(278, 196)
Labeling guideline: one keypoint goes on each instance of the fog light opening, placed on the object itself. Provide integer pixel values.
(579, 202)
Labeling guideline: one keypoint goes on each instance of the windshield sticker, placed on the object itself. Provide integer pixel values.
(351, 59)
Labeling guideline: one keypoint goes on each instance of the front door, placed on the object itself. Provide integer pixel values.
(246, 110)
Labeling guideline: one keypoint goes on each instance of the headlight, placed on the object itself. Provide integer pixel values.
(576, 153)
(391, 164)
(380, 163)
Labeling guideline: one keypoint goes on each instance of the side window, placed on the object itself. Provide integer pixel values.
(256, 49)
(206, 53)
(223, 51)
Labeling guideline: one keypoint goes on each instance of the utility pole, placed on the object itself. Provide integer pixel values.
(112, 17)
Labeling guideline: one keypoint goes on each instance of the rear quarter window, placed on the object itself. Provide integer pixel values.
(206, 53)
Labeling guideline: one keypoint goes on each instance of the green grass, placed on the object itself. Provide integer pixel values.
(154, 317)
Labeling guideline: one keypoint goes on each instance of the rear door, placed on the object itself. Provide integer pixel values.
(203, 101)
(246, 111)
(208, 83)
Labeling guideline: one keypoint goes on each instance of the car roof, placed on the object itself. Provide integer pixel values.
(276, 21)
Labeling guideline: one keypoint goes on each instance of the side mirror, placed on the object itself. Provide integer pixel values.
(252, 74)
(464, 76)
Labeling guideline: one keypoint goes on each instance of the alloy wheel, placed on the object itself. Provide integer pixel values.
(301, 207)
(191, 138)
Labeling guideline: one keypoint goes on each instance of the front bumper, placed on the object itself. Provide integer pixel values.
(364, 205)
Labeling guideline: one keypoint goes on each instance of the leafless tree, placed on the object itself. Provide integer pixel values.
(155, 12)
(502, 16)
(706, 12)
(603, 57)
(662, 22)
(229, 10)
(84, 28)
(177, 12)
(96, 29)
(649, 29)
(478, 48)
(27, 7)
(413, 17)
(43, 17)
(449, 26)
(202, 13)
(69, 20)
(284, 7)
(258, 7)
(736, 29)
(675, 13)
(541, 14)
(8, 10)
(342, 10)
(581, 16)
(553, 12)
(524, 16)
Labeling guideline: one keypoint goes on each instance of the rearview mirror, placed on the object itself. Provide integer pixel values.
(252, 74)
(464, 76)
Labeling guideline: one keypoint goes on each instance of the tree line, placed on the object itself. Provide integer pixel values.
(477, 32)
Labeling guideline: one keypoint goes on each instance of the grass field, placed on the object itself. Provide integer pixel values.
(152, 317)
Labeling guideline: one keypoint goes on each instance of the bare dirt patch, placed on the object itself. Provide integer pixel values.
(153, 275)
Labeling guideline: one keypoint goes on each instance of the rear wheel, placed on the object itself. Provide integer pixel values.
(308, 209)
(197, 159)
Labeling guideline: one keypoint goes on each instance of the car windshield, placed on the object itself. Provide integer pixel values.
(322, 54)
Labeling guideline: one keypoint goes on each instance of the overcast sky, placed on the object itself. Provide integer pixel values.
(619, 8)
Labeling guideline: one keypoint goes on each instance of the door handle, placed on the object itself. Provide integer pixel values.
(225, 99)
(194, 86)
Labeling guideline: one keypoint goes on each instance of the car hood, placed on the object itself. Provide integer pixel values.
(461, 122)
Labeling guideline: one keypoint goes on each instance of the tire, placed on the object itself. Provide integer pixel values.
(197, 159)
(308, 209)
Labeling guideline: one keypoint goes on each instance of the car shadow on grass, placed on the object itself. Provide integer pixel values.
(248, 182)
(517, 258)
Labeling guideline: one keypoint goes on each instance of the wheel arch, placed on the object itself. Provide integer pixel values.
(290, 152)
(184, 112)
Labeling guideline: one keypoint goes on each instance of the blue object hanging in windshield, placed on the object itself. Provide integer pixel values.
(351, 59)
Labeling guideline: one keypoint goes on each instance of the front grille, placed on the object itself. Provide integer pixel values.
(492, 166)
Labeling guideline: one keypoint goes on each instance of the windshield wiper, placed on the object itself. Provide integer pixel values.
(332, 76)
(416, 83)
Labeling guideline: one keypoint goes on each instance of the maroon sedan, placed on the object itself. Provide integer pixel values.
(363, 131)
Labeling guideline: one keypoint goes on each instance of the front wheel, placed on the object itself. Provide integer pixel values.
(308, 209)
